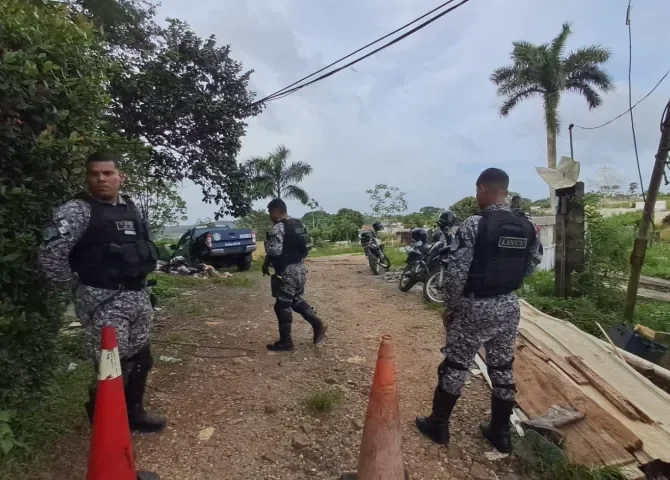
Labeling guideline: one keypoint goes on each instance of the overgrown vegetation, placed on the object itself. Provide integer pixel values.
(546, 461)
(52, 99)
(599, 296)
(78, 76)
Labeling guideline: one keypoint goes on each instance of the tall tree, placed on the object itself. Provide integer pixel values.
(388, 202)
(465, 207)
(431, 212)
(183, 95)
(273, 176)
(608, 182)
(544, 71)
(158, 200)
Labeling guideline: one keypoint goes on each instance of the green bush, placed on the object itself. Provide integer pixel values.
(52, 74)
(164, 250)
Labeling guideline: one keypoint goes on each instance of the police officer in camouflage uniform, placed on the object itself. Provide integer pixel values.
(99, 246)
(285, 251)
(494, 250)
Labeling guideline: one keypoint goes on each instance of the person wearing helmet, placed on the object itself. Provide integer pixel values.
(494, 250)
(419, 235)
(446, 220)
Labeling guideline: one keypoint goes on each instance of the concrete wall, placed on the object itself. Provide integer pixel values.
(546, 226)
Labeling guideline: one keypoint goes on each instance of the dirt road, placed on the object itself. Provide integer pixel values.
(246, 417)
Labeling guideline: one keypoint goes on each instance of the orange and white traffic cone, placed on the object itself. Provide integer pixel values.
(111, 455)
(380, 457)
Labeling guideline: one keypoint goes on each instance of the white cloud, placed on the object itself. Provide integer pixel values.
(422, 114)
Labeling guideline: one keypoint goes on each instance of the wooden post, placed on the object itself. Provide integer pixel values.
(640, 245)
(569, 234)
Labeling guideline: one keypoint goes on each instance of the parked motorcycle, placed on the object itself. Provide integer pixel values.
(434, 287)
(421, 260)
(375, 252)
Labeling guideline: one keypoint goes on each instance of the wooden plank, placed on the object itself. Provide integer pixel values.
(622, 403)
(587, 442)
(577, 377)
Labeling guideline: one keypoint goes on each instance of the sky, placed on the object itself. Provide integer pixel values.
(423, 115)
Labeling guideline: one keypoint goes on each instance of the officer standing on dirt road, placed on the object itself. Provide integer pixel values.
(285, 251)
(494, 250)
(99, 246)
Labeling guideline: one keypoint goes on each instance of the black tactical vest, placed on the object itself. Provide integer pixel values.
(502, 249)
(116, 250)
(294, 246)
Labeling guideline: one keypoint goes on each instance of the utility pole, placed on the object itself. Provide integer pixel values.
(640, 245)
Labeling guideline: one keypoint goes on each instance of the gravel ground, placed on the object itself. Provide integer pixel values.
(244, 416)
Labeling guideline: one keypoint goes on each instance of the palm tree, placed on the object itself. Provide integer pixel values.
(543, 70)
(272, 176)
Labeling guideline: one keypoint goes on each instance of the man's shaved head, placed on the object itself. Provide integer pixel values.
(492, 187)
(494, 179)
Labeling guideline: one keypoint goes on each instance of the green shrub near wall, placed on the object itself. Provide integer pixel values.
(52, 73)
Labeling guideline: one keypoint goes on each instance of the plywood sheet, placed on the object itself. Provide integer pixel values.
(559, 361)
(622, 403)
(540, 386)
(565, 340)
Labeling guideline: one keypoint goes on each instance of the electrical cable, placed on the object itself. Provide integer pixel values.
(285, 92)
(278, 92)
(630, 104)
(624, 113)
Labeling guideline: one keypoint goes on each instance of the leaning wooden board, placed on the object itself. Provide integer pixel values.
(564, 339)
(540, 385)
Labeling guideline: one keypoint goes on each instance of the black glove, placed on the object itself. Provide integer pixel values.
(266, 268)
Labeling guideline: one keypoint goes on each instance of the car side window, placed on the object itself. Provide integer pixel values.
(184, 239)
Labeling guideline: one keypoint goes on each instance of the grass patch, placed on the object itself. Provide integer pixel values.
(432, 306)
(328, 251)
(397, 256)
(546, 461)
(59, 411)
(657, 261)
(169, 285)
(324, 401)
(606, 308)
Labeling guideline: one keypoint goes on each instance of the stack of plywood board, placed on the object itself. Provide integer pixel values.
(627, 420)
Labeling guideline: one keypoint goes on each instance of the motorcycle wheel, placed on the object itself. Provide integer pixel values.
(406, 281)
(433, 288)
(385, 261)
(374, 264)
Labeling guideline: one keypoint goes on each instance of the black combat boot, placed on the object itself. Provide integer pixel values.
(285, 342)
(497, 430)
(139, 419)
(436, 426)
(317, 324)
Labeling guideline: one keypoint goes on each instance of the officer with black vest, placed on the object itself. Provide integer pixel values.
(285, 251)
(99, 246)
(494, 250)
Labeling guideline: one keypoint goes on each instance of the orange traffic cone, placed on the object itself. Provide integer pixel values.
(380, 457)
(111, 456)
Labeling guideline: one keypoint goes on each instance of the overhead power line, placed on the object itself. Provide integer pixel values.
(295, 87)
(630, 103)
(631, 108)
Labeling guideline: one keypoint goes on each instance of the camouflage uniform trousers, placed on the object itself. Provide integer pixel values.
(129, 312)
(492, 322)
(291, 287)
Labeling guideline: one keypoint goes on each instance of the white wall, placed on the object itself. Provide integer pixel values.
(546, 226)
